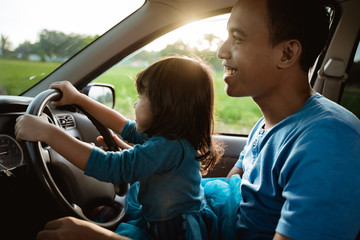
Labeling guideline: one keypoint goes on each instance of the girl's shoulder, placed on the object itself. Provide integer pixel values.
(167, 153)
(164, 140)
(177, 145)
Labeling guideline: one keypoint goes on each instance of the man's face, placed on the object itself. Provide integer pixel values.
(249, 57)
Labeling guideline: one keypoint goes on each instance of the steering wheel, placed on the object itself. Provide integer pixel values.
(81, 191)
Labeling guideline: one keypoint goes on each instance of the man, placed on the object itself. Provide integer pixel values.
(300, 170)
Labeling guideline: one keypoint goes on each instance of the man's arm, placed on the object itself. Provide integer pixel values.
(279, 236)
(70, 228)
(235, 170)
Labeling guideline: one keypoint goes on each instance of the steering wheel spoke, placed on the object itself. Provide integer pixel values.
(45, 153)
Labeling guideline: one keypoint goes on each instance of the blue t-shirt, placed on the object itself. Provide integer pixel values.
(302, 177)
(168, 173)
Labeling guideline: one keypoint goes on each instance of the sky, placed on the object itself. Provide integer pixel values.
(22, 20)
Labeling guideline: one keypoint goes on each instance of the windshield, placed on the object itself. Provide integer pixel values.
(38, 36)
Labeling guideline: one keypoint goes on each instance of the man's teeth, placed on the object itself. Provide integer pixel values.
(229, 72)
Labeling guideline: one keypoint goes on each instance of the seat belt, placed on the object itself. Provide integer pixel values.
(331, 77)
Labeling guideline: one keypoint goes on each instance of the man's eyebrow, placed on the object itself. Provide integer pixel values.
(237, 30)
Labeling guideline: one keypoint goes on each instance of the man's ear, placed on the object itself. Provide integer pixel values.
(290, 53)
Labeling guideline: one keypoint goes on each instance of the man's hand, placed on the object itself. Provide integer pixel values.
(70, 228)
(235, 170)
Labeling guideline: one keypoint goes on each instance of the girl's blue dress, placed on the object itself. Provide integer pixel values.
(223, 198)
(167, 199)
(196, 225)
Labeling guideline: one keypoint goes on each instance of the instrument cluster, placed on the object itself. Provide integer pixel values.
(11, 153)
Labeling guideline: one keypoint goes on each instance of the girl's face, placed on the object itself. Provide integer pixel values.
(143, 113)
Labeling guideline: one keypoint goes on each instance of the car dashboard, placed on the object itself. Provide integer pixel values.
(11, 151)
(23, 198)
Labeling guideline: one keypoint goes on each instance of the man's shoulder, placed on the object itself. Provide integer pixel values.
(319, 121)
(320, 112)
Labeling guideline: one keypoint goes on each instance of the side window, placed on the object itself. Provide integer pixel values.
(351, 95)
(201, 39)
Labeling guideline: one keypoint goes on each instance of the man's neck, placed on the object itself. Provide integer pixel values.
(281, 105)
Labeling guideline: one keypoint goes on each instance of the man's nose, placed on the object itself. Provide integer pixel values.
(223, 52)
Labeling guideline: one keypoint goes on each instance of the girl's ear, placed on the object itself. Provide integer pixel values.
(290, 53)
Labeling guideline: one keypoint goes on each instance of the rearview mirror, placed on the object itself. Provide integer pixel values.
(102, 93)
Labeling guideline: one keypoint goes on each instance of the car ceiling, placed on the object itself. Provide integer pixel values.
(191, 7)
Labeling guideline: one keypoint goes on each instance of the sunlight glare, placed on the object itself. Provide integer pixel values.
(193, 33)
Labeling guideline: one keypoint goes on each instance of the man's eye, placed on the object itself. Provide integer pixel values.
(237, 40)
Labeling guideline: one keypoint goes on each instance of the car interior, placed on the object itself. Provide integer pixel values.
(37, 184)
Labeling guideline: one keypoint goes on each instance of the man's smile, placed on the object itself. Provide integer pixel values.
(229, 71)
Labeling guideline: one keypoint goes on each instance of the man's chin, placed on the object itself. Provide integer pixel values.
(231, 93)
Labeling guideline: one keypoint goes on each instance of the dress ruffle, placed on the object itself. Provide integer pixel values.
(189, 226)
(216, 221)
(223, 196)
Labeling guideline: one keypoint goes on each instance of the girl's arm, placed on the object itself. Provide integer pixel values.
(33, 128)
(119, 142)
(105, 115)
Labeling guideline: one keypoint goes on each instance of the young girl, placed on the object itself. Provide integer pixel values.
(173, 144)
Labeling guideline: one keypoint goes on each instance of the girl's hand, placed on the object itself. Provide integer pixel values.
(70, 94)
(119, 142)
(32, 128)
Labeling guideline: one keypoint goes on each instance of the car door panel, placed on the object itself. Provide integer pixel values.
(233, 145)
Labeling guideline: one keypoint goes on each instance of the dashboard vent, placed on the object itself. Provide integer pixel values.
(66, 121)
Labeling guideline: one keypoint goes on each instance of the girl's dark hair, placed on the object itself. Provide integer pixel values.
(304, 20)
(181, 94)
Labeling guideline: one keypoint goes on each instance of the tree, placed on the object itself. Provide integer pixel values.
(59, 46)
(214, 41)
(5, 45)
(24, 50)
(177, 48)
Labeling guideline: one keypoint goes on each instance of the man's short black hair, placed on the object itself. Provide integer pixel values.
(304, 20)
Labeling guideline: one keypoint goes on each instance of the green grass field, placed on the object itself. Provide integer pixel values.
(233, 115)
(17, 76)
